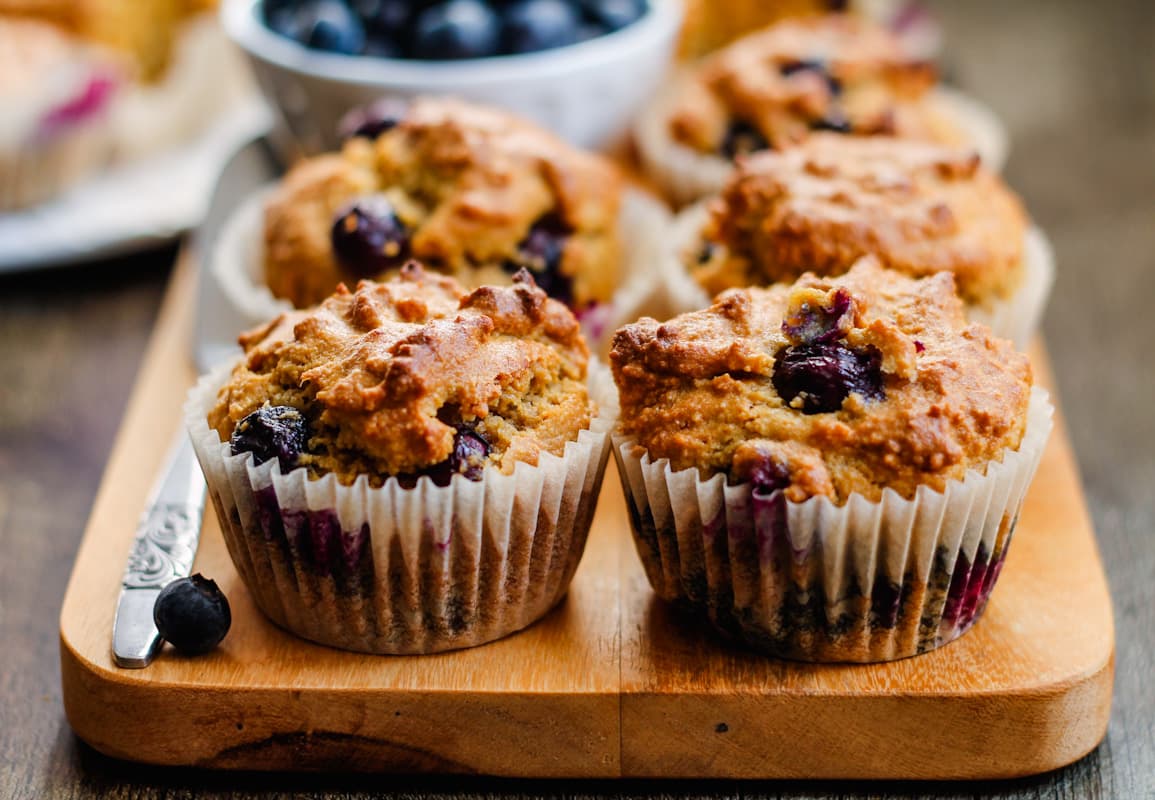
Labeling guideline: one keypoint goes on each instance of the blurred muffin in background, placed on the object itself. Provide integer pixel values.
(711, 24)
(772, 89)
(175, 73)
(469, 190)
(57, 95)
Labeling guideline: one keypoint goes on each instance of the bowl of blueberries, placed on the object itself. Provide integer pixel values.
(579, 67)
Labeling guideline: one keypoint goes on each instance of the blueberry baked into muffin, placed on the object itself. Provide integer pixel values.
(771, 90)
(469, 191)
(829, 470)
(408, 467)
(920, 208)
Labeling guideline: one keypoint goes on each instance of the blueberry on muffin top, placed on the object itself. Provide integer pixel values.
(771, 89)
(469, 191)
(829, 386)
(920, 208)
(415, 376)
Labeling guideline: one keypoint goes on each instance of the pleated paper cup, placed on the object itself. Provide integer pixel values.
(47, 168)
(1019, 316)
(1016, 317)
(686, 175)
(812, 581)
(393, 570)
(238, 258)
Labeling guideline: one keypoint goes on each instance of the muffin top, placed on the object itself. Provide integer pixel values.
(409, 377)
(829, 386)
(921, 208)
(836, 72)
(470, 191)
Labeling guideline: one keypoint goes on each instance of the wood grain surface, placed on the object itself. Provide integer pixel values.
(609, 684)
(1076, 83)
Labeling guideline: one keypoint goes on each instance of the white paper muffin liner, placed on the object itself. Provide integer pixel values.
(686, 175)
(236, 264)
(50, 166)
(1016, 317)
(392, 570)
(812, 581)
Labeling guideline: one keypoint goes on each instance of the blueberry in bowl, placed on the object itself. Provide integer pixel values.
(558, 62)
(446, 30)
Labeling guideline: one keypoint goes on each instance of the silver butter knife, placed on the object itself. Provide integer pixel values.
(169, 531)
(162, 551)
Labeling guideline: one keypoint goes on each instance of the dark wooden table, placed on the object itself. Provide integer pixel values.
(1075, 82)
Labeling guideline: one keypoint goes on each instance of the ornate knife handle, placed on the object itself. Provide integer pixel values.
(162, 551)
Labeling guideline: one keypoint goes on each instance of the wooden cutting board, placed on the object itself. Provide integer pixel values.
(610, 684)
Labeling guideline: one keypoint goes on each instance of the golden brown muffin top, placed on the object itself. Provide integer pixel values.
(478, 192)
(836, 72)
(921, 208)
(387, 375)
(830, 386)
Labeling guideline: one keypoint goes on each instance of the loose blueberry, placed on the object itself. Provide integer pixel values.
(469, 456)
(330, 25)
(192, 614)
(374, 119)
(614, 14)
(532, 25)
(817, 324)
(541, 253)
(741, 139)
(456, 29)
(279, 432)
(368, 237)
(823, 374)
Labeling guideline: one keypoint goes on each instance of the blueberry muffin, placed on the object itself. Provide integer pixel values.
(920, 208)
(472, 192)
(772, 90)
(58, 96)
(409, 467)
(828, 470)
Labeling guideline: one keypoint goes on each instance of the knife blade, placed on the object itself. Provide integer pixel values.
(162, 551)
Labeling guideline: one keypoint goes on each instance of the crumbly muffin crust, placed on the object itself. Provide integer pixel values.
(469, 184)
(701, 389)
(839, 72)
(920, 208)
(386, 374)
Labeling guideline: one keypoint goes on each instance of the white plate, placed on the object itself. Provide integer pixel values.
(131, 207)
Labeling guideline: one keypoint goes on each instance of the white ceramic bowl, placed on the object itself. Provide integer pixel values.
(588, 92)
